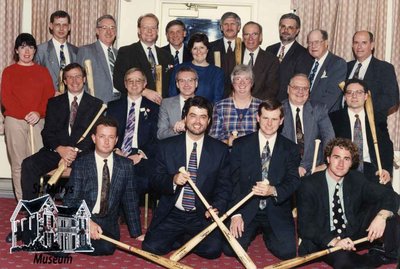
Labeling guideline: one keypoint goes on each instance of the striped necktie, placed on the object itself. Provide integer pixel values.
(188, 201)
(357, 71)
(129, 131)
(111, 59)
(176, 58)
(313, 73)
(152, 61)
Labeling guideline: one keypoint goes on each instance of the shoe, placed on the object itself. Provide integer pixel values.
(378, 257)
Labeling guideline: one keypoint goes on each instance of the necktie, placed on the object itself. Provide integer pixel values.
(188, 202)
(281, 53)
(251, 62)
(265, 160)
(313, 73)
(152, 62)
(358, 140)
(229, 47)
(229, 59)
(73, 111)
(176, 58)
(129, 131)
(338, 216)
(299, 132)
(105, 187)
(62, 57)
(111, 59)
(357, 71)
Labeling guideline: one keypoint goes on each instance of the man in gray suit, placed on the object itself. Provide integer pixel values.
(170, 122)
(57, 53)
(102, 55)
(304, 122)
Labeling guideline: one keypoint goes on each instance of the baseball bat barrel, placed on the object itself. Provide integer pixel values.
(316, 149)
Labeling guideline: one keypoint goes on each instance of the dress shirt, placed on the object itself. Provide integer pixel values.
(65, 50)
(361, 115)
(331, 190)
(153, 50)
(363, 69)
(173, 52)
(137, 114)
(70, 100)
(246, 56)
(263, 141)
(99, 168)
(287, 48)
(105, 51)
(226, 45)
(293, 108)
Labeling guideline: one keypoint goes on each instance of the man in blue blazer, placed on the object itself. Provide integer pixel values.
(266, 163)
(179, 215)
(176, 33)
(106, 182)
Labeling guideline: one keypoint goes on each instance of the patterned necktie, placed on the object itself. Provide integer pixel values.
(337, 213)
(358, 140)
(229, 47)
(313, 73)
(188, 201)
(357, 71)
(251, 62)
(265, 160)
(176, 58)
(105, 187)
(111, 59)
(152, 62)
(281, 53)
(62, 57)
(73, 111)
(129, 131)
(299, 132)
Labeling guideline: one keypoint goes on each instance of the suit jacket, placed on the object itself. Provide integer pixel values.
(297, 60)
(187, 55)
(170, 113)
(381, 80)
(122, 193)
(313, 208)
(325, 88)
(316, 125)
(134, 56)
(46, 55)
(55, 131)
(103, 83)
(283, 174)
(212, 175)
(266, 75)
(341, 124)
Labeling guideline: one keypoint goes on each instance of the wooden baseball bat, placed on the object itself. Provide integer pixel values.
(217, 58)
(159, 79)
(238, 50)
(316, 149)
(89, 76)
(103, 107)
(61, 86)
(341, 85)
(240, 252)
(185, 249)
(306, 258)
(31, 137)
(150, 256)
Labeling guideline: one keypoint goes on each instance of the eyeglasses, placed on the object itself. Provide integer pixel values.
(189, 80)
(134, 81)
(247, 35)
(356, 93)
(300, 89)
(105, 27)
(78, 77)
(288, 28)
(315, 43)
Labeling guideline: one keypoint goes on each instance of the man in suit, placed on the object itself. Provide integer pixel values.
(102, 55)
(265, 64)
(180, 214)
(305, 122)
(176, 33)
(145, 55)
(293, 57)
(67, 118)
(379, 75)
(230, 24)
(96, 176)
(344, 124)
(137, 119)
(266, 163)
(56, 53)
(170, 122)
(333, 208)
(326, 73)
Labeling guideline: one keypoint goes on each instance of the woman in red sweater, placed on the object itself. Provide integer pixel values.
(25, 89)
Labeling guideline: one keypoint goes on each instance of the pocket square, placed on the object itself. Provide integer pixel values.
(324, 75)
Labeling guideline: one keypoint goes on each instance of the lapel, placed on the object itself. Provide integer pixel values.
(290, 52)
(345, 125)
(370, 141)
(256, 164)
(277, 157)
(72, 52)
(176, 107)
(324, 192)
(102, 59)
(308, 122)
(92, 178)
(206, 156)
(369, 75)
(144, 105)
(288, 125)
(80, 114)
(323, 69)
(347, 194)
(53, 59)
(142, 56)
(115, 182)
(350, 66)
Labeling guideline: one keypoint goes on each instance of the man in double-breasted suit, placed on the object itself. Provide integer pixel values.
(106, 182)
(176, 33)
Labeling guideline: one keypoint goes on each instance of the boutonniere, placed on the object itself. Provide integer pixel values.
(145, 111)
(324, 75)
(169, 67)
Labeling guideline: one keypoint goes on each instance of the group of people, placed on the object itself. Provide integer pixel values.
(235, 129)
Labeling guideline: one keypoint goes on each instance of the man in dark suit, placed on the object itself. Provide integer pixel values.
(326, 73)
(56, 53)
(266, 163)
(180, 214)
(379, 75)
(137, 118)
(230, 26)
(265, 64)
(145, 55)
(67, 118)
(106, 182)
(102, 55)
(176, 33)
(293, 57)
(344, 121)
(333, 208)
(305, 122)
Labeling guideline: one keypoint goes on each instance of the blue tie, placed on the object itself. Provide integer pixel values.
(176, 58)
(129, 131)
(62, 57)
(313, 73)
(188, 194)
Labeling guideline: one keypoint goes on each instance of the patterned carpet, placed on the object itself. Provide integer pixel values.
(121, 259)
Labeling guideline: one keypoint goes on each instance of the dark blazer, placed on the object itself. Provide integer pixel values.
(283, 174)
(325, 88)
(341, 124)
(381, 80)
(212, 175)
(296, 60)
(313, 208)
(187, 56)
(83, 183)
(134, 56)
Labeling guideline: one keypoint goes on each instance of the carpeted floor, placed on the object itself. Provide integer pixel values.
(121, 259)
